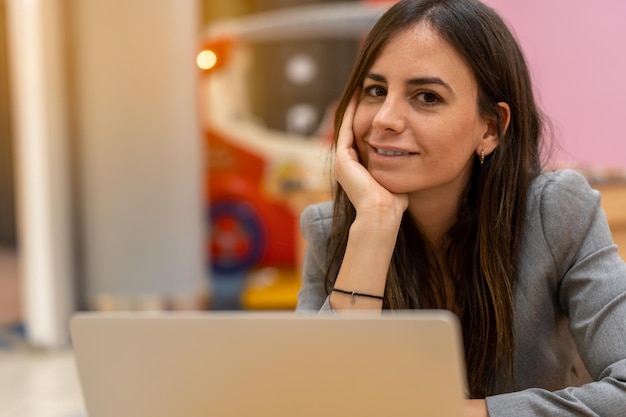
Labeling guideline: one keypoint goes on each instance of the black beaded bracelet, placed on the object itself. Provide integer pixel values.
(358, 294)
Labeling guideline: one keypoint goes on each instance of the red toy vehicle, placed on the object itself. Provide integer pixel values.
(269, 82)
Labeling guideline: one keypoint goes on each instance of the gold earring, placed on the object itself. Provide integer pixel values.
(482, 156)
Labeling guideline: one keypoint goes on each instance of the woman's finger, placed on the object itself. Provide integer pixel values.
(345, 138)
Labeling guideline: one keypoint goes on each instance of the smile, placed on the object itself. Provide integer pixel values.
(390, 152)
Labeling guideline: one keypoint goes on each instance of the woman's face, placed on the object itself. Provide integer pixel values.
(417, 126)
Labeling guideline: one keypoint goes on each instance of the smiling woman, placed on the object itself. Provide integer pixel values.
(417, 124)
(442, 203)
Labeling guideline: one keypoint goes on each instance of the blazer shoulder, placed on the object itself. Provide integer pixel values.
(316, 219)
(563, 190)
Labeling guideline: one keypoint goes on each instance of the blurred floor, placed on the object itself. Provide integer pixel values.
(39, 384)
(33, 382)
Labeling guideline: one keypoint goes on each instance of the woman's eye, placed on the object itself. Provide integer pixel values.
(428, 98)
(375, 91)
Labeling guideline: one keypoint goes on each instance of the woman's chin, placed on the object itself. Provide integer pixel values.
(393, 185)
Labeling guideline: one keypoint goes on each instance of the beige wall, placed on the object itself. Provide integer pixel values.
(108, 153)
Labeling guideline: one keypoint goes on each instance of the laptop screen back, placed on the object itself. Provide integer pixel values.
(269, 364)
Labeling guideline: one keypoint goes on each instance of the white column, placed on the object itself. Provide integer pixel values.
(37, 79)
(140, 148)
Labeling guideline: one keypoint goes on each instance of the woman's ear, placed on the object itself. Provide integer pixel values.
(495, 128)
(505, 115)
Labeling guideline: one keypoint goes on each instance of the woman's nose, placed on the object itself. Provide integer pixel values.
(390, 115)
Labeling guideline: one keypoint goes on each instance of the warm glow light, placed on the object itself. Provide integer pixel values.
(206, 59)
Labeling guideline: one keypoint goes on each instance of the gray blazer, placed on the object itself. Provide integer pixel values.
(570, 303)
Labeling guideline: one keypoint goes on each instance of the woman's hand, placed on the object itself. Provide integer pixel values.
(365, 193)
(373, 233)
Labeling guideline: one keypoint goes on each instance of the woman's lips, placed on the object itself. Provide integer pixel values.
(391, 151)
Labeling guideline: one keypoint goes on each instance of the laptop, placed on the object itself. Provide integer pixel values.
(262, 364)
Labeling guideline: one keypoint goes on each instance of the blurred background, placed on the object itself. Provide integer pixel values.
(156, 154)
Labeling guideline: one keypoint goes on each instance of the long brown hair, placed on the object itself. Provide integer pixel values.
(483, 244)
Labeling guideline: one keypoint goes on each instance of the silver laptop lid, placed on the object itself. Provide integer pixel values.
(269, 364)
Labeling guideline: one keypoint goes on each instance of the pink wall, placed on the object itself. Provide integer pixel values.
(576, 50)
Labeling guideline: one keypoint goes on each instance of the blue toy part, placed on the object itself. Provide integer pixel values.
(237, 236)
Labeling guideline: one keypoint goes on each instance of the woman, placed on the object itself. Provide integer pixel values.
(441, 203)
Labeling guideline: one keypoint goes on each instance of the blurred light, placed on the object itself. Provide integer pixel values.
(302, 119)
(207, 59)
(301, 69)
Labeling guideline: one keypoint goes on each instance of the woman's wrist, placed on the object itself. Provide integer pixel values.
(378, 220)
(362, 277)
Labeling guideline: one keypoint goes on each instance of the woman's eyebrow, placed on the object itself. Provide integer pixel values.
(430, 80)
(376, 77)
(413, 81)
